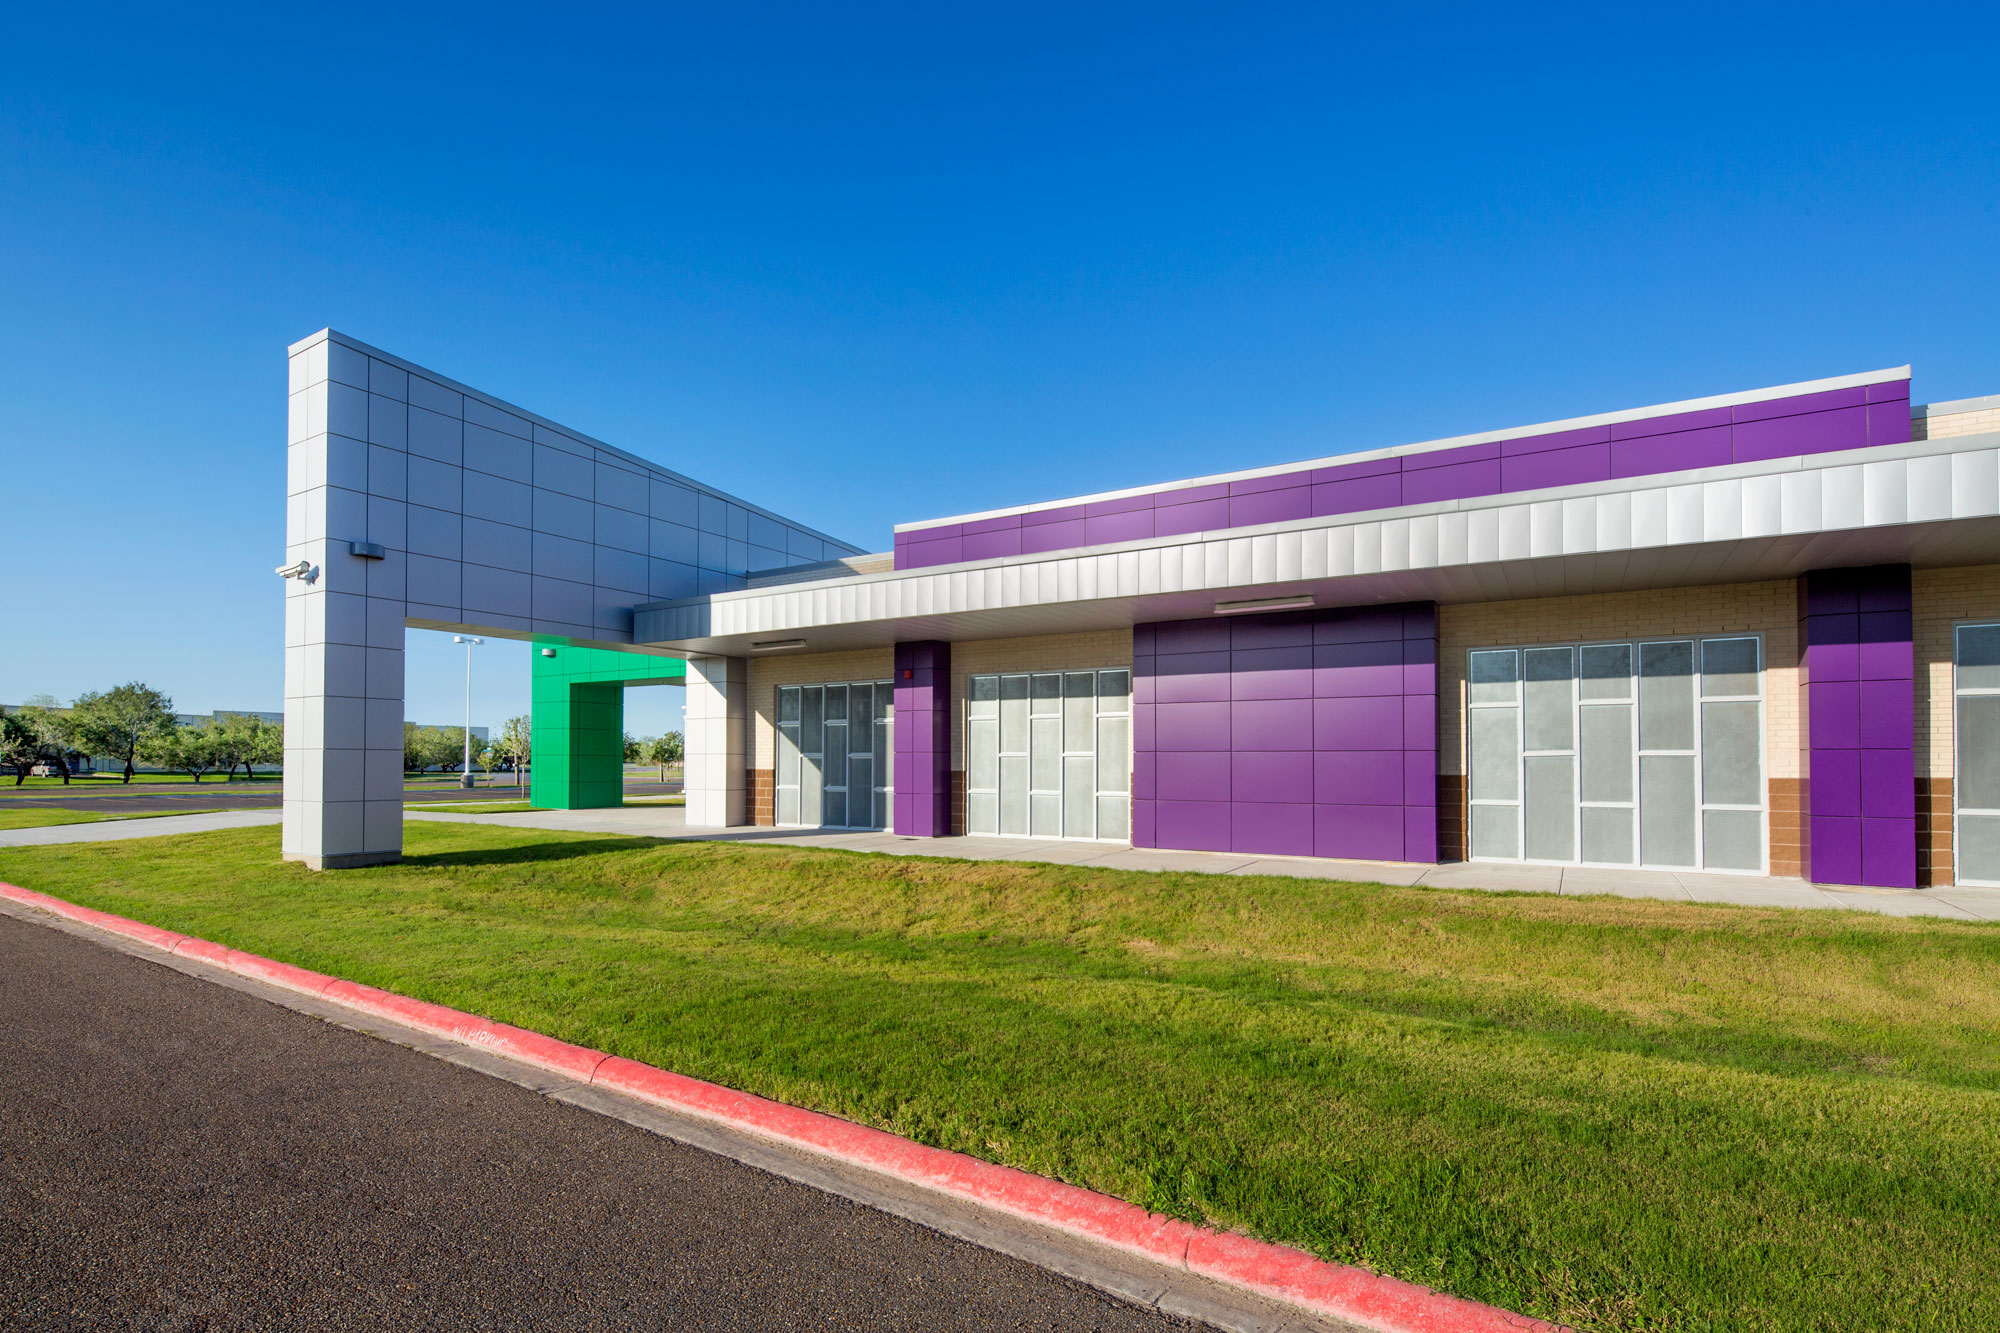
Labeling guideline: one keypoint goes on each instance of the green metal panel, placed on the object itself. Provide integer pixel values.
(578, 704)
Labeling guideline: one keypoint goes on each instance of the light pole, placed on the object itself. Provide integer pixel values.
(465, 774)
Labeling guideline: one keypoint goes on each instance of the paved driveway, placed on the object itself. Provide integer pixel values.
(175, 1155)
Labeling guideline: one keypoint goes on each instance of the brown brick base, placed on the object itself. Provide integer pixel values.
(1936, 863)
(958, 803)
(1787, 827)
(763, 797)
(1452, 816)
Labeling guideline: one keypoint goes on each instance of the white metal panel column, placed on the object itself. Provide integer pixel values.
(343, 798)
(717, 715)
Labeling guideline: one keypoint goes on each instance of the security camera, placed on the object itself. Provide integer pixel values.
(302, 570)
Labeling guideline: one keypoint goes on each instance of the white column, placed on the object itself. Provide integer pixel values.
(717, 712)
(343, 630)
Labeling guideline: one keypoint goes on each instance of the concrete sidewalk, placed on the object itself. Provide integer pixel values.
(1964, 904)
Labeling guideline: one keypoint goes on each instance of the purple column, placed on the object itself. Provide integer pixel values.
(1858, 727)
(1308, 733)
(923, 739)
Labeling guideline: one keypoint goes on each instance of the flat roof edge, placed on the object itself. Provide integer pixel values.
(1449, 442)
(401, 363)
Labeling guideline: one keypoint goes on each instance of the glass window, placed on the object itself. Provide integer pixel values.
(1491, 677)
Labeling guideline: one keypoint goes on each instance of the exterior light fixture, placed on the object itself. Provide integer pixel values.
(548, 652)
(1264, 604)
(368, 550)
(302, 570)
(776, 645)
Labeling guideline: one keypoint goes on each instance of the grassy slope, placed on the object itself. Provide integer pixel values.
(11, 819)
(1629, 1114)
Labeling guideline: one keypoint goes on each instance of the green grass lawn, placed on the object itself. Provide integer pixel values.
(516, 807)
(1627, 1114)
(11, 819)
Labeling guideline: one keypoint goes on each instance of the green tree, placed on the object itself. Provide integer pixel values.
(20, 745)
(117, 722)
(55, 732)
(425, 748)
(635, 748)
(192, 750)
(516, 744)
(664, 750)
(246, 739)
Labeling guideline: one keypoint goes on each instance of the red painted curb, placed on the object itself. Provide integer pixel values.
(1277, 1271)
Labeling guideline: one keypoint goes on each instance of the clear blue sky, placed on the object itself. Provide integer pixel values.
(873, 266)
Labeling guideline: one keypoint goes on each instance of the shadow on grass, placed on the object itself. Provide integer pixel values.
(526, 853)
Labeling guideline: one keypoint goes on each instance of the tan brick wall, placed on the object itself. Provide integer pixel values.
(1940, 599)
(1955, 423)
(1044, 652)
(768, 673)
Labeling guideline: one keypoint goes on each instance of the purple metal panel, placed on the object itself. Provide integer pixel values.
(1132, 526)
(1671, 423)
(1269, 775)
(1889, 853)
(1889, 389)
(1358, 724)
(1270, 506)
(1145, 771)
(923, 738)
(1889, 423)
(1805, 402)
(1187, 727)
(1144, 824)
(1459, 482)
(1275, 481)
(1888, 714)
(1357, 768)
(1835, 708)
(1190, 683)
(942, 551)
(1645, 455)
(1198, 516)
(1052, 536)
(1271, 724)
(1285, 629)
(1374, 467)
(1469, 453)
(1859, 726)
(1192, 826)
(1190, 776)
(1888, 783)
(1358, 777)
(1187, 495)
(1272, 682)
(1556, 467)
(1126, 505)
(992, 545)
(1361, 832)
(1812, 433)
(1190, 636)
(1836, 782)
(1270, 829)
(1004, 523)
(1360, 493)
(1836, 850)
(1562, 439)
(1059, 514)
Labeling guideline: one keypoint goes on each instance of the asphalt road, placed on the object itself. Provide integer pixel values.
(178, 1156)
(219, 795)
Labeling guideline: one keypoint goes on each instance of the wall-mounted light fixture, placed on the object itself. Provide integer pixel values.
(548, 652)
(368, 550)
(1244, 608)
(776, 645)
